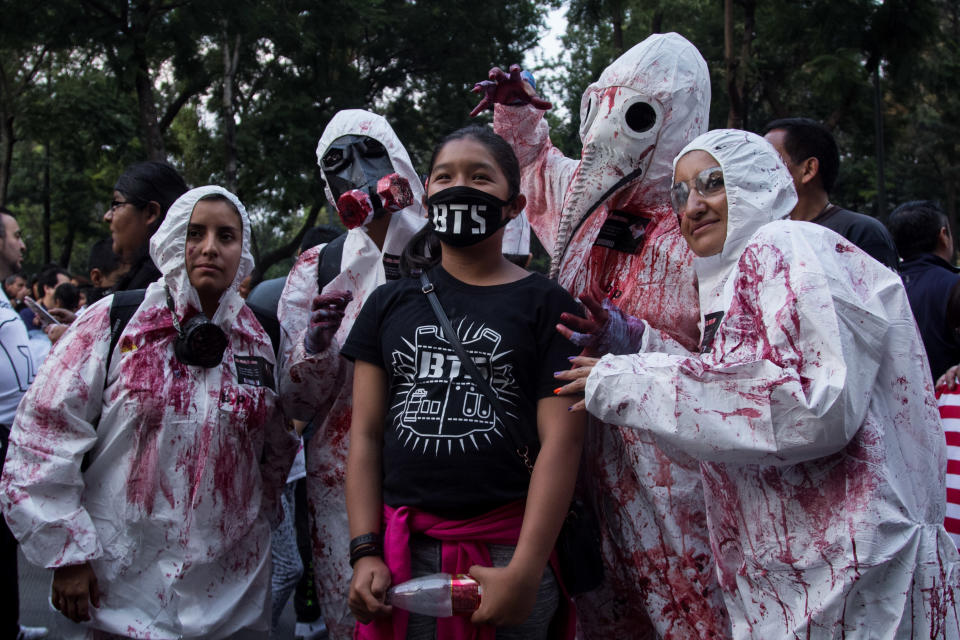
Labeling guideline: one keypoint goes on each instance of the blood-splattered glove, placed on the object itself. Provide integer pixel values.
(325, 317)
(606, 329)
(511, 89)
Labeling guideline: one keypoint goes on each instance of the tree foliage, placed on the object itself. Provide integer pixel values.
(238, 93)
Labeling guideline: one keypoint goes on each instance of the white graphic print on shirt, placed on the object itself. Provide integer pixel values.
(440, 402)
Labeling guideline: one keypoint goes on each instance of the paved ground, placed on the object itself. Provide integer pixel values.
(35, 608)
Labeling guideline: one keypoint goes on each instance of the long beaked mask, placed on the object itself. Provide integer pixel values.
(644, 108)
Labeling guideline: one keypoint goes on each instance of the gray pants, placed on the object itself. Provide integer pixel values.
(425, 559)
(287, 566)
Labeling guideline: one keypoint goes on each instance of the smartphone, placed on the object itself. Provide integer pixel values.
(40, 312)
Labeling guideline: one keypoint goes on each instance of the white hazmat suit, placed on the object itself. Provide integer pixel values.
(606, 220)
(812, 416)
(186, 463)
(319, 387)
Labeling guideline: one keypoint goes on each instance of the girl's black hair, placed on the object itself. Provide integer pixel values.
(151, 181)
(423, 250)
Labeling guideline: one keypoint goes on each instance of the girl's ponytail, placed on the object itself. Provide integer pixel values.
(421, 253)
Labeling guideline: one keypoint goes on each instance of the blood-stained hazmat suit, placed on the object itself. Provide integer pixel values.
(319, 387)
(812, 413)
(186, 463)
(606, 220)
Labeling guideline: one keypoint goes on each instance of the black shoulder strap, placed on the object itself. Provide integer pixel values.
(470, 366)
(122, 308)
(328, 267)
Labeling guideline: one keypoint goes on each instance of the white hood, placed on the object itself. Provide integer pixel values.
(358, 122)
(759, 190)
(664, 71)
(168, 250)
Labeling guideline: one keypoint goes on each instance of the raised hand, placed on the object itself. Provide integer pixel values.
(325, 317)
(510, 89)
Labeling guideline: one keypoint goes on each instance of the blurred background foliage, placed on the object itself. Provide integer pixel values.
(237, 93)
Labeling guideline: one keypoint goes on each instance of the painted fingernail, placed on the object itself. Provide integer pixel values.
(571, 358)
(557, 390)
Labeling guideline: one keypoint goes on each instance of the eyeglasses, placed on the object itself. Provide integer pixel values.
(116, 204)
(708, 182)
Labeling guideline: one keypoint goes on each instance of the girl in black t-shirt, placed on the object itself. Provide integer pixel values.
(433, 481)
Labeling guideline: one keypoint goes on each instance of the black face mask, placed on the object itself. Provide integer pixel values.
(464, 216)
(199, 342)
(356, 162)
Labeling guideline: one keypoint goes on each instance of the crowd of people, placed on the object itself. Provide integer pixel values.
(742, 387)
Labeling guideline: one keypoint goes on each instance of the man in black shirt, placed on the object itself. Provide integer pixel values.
(810, 153)
(923, 238)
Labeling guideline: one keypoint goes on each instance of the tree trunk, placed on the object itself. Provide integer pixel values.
(6, 154)
(618, 28)
(67, 249)
(149, 123)
(46, 203)
(736, 66)
(230, 62)
(656, 23)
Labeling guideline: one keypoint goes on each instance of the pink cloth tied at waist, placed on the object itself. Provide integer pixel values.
(463, 544)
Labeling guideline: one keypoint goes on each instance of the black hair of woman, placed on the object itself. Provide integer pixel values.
(150, 187)
(151, 181)
(423, 250)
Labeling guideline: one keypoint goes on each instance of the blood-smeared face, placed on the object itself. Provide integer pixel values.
(213, 249)
(703, 218)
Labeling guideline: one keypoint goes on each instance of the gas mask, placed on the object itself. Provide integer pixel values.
(619, 127)
(355, 162)
(357, 208)
(199, 342)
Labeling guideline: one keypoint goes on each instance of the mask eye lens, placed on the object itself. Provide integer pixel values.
(641, 117)
(333, 159)
(373, 148)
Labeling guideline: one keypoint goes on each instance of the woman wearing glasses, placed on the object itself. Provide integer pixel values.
(808, 408)
(141, 198)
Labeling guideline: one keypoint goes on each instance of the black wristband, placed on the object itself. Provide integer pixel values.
(366, 539)
(364, 551)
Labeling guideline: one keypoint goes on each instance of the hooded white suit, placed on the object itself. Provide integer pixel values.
(811, 412)
(645, 107)
(320, 387)
(186, 463)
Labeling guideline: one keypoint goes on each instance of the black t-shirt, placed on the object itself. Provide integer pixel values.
(867, 233)
(444, 450)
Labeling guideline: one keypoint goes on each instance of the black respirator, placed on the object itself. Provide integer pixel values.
(199, 342)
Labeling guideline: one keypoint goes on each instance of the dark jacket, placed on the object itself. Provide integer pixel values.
(928, 280)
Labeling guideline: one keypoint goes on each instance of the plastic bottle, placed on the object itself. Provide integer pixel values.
(440, 595)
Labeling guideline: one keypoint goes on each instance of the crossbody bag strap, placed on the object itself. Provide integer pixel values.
(470, 366)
